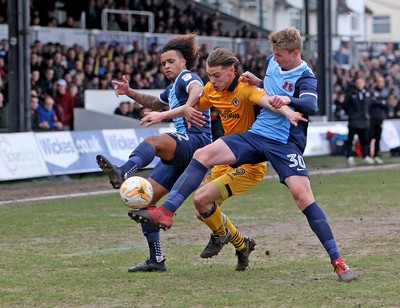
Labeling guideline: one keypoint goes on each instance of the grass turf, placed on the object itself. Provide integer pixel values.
(75, 252)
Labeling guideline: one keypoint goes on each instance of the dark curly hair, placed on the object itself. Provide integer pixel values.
(185, 45)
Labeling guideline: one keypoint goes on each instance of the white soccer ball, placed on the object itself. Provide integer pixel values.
(136, 192)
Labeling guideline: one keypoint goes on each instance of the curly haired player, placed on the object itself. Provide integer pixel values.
(177, 57)
(235, 101)
(290, 82)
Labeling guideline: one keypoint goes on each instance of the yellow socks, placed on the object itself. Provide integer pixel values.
(217, 222)
(214, 221)
(237, 239)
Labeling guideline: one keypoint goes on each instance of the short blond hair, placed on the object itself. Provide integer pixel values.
(286, 39)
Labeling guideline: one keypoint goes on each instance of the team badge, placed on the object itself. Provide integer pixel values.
(187, 77)
(235, 102)
(288, 86)
(239, 171)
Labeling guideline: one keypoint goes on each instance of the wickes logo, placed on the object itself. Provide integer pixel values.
(55, 146)
(120, 142)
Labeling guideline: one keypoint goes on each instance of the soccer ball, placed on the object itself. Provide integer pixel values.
(136, 192)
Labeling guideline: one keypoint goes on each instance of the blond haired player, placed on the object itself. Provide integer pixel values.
(236, 101)
(291, 83)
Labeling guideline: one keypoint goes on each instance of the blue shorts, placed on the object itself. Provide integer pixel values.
(166, 173)
(249, 148)
(186, 145)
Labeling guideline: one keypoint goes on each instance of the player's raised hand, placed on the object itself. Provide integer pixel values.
(121, 87)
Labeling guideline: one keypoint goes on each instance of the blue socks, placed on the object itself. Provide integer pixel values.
(142, 156)
(187, 183)
(152, 234)
(319, 224)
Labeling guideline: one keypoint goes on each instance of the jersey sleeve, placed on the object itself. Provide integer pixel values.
(163, 97)
(204, 102)
(182, 84)
(252, 94)
(187, 79)
(307, 100)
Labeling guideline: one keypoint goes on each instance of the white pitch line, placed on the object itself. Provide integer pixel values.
(104, 192)
(92, 193)
(345, 170)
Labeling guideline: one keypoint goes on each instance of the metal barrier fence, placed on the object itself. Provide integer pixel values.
(106, 12)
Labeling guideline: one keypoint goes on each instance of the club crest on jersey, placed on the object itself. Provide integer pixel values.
(235, 102)
(239, 171)
(288, 86)
(187, 77)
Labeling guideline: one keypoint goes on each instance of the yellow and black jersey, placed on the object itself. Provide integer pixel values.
(235, 104)
(238, 109)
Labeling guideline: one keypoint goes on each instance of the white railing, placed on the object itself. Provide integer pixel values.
(130, 13)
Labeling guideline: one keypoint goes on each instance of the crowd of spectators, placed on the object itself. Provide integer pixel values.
(381, 75)
(168, 17)
(131, 110)
(65, 72)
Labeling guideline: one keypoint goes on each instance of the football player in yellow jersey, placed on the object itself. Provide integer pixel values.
(235, 101)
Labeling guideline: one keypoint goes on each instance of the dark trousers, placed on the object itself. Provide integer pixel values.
(362, 134)
(375, 133)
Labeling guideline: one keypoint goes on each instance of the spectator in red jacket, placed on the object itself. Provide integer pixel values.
(66, 103)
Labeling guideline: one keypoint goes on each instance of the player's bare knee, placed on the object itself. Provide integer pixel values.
(198, 155)
(197, 200)
(199, 203)
(153, 141)
(201, 156)
(149, 139)
(303, 200)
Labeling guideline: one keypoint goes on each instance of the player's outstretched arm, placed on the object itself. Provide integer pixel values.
(306, 104)
(189, 113)
(150, 101)
(292, 115)
(277, 101)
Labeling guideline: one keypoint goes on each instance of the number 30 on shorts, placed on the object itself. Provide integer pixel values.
(296, 160)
